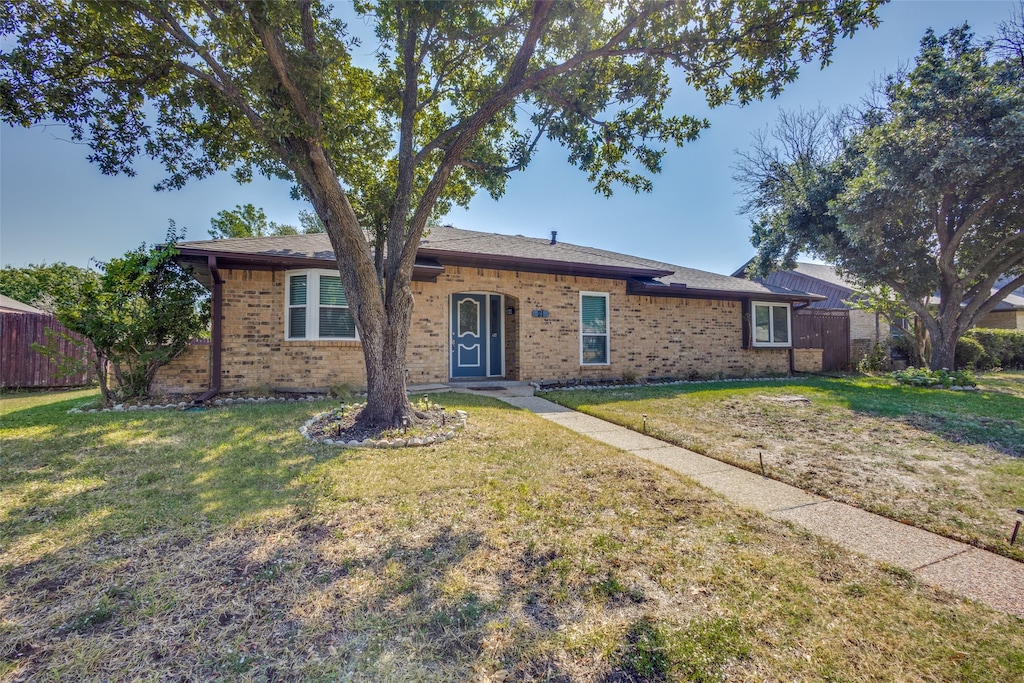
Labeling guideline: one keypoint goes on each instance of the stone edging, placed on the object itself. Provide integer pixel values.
(182, 405)
(459, 425)
(594, 387)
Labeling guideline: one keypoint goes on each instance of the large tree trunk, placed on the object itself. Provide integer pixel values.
(943, 355)
(387, 404)
(945, 328)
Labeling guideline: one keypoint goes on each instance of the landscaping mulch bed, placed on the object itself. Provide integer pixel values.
(433, 424)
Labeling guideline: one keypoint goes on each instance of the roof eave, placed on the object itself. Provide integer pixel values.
(441, 257)
(679, 290)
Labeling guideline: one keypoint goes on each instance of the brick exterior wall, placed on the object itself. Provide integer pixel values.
(863, 327)
(1003, 320)
(866, 328)
(808, 360)
(189, 373)
(649, 336)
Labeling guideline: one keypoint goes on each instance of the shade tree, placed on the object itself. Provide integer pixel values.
(459, 96)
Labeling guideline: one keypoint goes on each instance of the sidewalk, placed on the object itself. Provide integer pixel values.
(935, 560)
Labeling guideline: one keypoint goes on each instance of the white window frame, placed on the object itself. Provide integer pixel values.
(607, 329)
(771, 326)
(312, 305)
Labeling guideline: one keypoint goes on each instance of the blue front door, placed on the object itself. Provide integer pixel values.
(470, 335)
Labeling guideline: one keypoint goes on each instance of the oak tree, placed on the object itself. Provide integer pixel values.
(458, 98)
(922, 191)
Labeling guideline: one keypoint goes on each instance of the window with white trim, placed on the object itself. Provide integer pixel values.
(317, 308)
(593, 328)
(771, 324)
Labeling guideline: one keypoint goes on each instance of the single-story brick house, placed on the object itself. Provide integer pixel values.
(487, 306)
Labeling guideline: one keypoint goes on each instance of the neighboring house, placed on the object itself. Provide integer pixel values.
(1008, 313)
(486, 306)
(9, 305)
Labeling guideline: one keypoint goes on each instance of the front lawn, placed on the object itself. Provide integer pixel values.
(950, 462)
(221, 546)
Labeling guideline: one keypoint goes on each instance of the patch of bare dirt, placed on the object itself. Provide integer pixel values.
(342, 424)
(903, 468)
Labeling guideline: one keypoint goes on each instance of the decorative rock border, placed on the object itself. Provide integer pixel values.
(538, 386)
(460, 424)
(184, 405)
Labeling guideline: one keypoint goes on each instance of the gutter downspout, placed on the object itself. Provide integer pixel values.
(215, 333)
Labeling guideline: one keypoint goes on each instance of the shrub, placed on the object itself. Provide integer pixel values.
(968, 352)
(142, 311)
(919, 377)
(1003, 348)
(873, 361)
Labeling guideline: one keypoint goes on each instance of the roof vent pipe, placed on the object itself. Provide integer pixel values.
(554, 237)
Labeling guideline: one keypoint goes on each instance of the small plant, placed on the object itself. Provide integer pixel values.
(919, 377)
(423, 404)
(344, 392)
(873, 361)
(629, 377)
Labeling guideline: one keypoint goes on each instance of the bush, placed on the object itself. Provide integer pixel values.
(968, 352)
(1002, 348)
(919, 377)
(143, 310)
(875, 360)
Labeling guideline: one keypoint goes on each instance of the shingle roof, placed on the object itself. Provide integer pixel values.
(838, 289)
(452, 245)
(825, 273)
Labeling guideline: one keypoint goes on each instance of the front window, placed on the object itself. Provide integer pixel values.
(771, 324)
(318, 307)
(593, 328)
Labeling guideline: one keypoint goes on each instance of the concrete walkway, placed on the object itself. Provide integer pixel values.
(935, 560)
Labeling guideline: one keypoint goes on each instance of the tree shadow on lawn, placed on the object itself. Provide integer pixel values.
(990, 418)
(69, 479)
(236, 601)
(199, 544)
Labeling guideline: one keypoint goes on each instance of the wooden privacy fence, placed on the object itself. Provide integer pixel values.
(22, 366)
(824, 329)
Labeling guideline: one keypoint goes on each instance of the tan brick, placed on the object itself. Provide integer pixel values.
(1005, 320)
(649, 336)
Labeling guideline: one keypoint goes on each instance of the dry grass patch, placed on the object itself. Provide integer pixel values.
(949, 462)
(221, 545)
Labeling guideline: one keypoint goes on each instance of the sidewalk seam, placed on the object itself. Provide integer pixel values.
(943, 559)
(802, 505)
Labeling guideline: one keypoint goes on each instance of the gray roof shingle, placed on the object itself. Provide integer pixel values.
(442, 242)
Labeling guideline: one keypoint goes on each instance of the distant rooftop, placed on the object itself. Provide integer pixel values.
(15, 306)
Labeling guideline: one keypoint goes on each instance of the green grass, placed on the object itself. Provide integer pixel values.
(221, 546)
(950, 462)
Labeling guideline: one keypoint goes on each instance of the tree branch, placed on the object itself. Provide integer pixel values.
(270, 37)
(972, 218)
(975, 313)
(992, 253)
(220, 79)
(308, 33)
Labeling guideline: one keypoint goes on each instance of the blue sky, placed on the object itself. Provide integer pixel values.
(55, 206)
